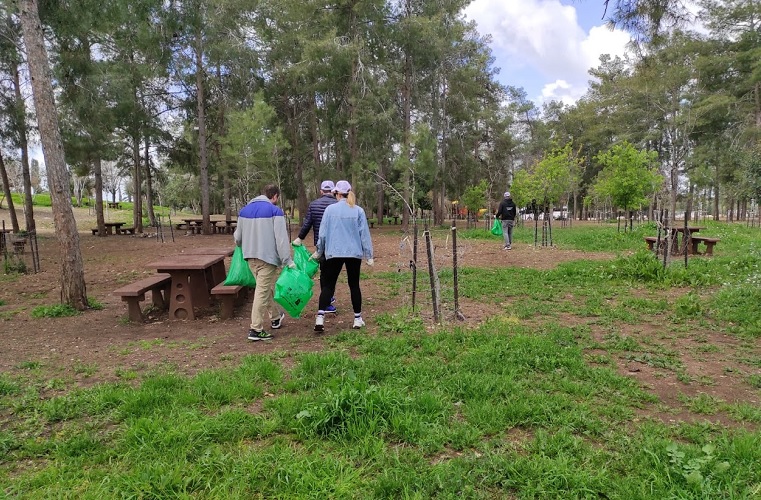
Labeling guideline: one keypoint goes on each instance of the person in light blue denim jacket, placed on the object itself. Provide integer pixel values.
(344, 239)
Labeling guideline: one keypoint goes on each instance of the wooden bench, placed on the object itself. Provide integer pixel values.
(229, 297)
(94, 231)
(134, 293)
(709, 242)
(127, 230)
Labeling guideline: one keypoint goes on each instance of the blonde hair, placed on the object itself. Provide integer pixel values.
(351, 199)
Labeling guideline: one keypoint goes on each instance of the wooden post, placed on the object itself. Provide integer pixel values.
(457, 313)
(432, 274)
(413, 264)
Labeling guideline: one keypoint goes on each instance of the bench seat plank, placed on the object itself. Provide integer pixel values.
(709, 242)
(133, 293)
(229, 296)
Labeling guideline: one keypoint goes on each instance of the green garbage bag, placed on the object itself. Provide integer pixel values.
(496, 229)
(240, 273)
(303, 261)
(293, 289)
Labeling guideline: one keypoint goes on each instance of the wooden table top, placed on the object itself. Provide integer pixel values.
(115, 224)
(186, 261)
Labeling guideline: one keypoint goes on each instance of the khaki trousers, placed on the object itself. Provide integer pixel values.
(264, 295)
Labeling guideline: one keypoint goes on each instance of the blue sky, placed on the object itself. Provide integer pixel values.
(547, 46)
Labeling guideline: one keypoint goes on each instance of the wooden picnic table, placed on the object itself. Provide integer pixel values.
(223, 226)
(684, 234)
(193, 277)
(112, 227)
(112, 204)
(227, 226)
(218, 272)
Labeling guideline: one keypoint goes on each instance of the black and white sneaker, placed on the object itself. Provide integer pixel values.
(277, 323)
(319, 323)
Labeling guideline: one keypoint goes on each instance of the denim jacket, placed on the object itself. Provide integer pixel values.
(344, 232)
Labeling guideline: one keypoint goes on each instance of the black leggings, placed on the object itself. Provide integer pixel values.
(329, 271)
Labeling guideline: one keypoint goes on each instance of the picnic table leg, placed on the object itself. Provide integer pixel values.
(694, 249)
(216, 274)
(199, 288)
(181, 297)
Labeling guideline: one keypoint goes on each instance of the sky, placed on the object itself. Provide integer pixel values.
(547, 46)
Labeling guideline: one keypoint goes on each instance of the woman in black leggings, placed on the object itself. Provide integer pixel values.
(344, 240)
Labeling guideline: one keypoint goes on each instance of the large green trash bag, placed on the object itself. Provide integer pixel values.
(293, 289)
(496, 229)
(240, 273)
(304, 262)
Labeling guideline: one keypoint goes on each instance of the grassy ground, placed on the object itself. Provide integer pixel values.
(529, 404)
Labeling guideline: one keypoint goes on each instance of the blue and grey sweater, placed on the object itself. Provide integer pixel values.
(262, 232)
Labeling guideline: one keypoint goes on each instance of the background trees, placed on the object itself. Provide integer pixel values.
(398, 97)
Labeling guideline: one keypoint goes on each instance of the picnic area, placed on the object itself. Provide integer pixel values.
(689, 369)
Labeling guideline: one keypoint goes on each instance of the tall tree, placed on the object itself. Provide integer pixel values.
(14, 105)
(73, 289)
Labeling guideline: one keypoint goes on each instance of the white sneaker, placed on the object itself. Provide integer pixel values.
(319, 323)
(358, 323)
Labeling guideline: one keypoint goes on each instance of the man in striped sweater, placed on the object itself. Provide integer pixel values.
(312, 221)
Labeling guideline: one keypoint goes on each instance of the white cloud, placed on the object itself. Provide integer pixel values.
(544, 37)
(561, 90)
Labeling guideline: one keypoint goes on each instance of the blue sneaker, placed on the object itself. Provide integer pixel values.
(330, 309)
(332, 300)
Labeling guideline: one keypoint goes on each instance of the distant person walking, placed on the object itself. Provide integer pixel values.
(312, 221)
(507, 212)
(263, 237)
(343, 240)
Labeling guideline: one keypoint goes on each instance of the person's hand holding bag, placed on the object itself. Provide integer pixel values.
(315, 255)
(370, 261)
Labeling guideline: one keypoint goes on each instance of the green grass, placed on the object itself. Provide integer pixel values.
(499, 410)
(528, 404)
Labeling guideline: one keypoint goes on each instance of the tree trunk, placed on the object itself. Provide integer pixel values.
(203, 160)
(438, 184)
(293, 124)
(137, 209)
(24, 146)
(7, 189)
(689, 203)
(73, 289)
(716, 215)
(149, 181)
(315, 133)
(97, 172)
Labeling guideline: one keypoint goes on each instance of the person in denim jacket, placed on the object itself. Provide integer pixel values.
(343, 240)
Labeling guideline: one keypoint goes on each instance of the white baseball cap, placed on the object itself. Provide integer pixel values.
(327, 186)
(507, 194)
(342, 187)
